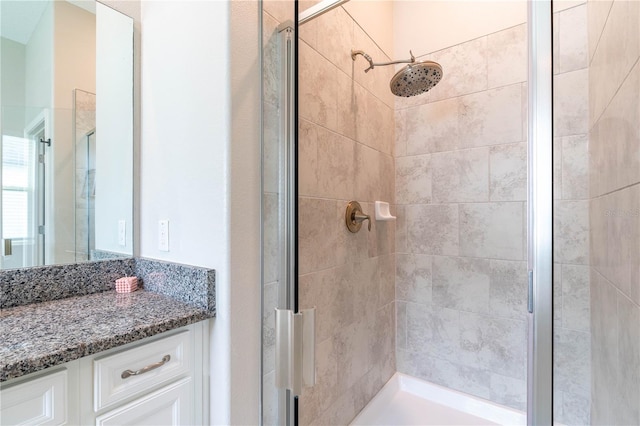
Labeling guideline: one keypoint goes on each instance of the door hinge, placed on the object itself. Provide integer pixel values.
(41, 158)
(41, 229)
(295, 349)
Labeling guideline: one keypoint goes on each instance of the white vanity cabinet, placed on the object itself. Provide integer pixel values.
(161, 380)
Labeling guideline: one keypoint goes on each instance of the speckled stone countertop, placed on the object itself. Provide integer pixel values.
(42, 335)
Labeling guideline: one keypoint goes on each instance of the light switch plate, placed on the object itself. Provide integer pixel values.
(163, 235)
(122, 233)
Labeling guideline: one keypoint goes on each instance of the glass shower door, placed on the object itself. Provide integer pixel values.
(597, 213)
(278, 243)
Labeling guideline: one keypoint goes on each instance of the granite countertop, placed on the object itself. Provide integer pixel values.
(42, 335)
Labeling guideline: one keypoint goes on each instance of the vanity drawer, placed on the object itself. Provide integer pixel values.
(41, 401)
(134, 371)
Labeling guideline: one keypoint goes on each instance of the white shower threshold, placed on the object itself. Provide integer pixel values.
(406, 400)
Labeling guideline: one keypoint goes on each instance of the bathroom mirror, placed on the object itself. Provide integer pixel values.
(67, 132)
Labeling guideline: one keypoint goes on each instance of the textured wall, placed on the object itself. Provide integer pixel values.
(571, 218)
(346, 146)
(461, 191)
(614, 165)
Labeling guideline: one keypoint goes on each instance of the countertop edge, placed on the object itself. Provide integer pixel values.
(13, 370)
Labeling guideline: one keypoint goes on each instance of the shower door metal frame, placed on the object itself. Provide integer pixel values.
(540, 213)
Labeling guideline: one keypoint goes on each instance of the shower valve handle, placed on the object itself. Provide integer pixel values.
(361, 217)
(354, 217)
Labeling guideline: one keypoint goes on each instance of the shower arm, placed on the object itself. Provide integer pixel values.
(355, 53)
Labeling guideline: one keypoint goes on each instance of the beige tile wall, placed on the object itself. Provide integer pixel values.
(614, 165)
(572, 331)
(461, 272)
(346, 143)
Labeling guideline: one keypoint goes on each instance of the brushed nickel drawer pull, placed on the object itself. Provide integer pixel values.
(129, 373)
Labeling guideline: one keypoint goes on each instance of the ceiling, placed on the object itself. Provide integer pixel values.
(19, 18)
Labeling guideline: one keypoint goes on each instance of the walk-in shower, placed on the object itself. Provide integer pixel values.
(467, 298)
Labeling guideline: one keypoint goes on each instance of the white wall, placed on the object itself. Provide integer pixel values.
(427, 26)
(114, 124)
(374, 16)
(200, 170)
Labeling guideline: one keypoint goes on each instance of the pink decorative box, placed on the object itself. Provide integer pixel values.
(126, 284)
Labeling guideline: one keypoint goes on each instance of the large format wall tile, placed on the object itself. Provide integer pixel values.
(571, 103)
(492, 230)
(571, 228)
(617, 51)
(492, 117)
(615, 140)
(317, 88)
(508, 172)
(461, 283)
(571, 45)
(508, 289)
(431, 127)
(507, 52)
(413, 179)
(432, 229)
(464, 69)
(460, 176)
(413, 278)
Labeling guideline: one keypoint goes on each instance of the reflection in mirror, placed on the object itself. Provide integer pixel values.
(66, 123)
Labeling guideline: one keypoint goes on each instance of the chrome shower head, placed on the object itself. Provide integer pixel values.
(416, 78)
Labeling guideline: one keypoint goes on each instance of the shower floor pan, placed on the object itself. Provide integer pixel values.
(406, 400)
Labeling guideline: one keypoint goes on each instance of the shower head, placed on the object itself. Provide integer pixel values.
(416, 78)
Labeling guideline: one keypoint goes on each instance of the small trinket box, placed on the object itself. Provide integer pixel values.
(126, 284)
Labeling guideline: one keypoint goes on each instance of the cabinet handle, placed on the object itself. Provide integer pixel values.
(129, 373)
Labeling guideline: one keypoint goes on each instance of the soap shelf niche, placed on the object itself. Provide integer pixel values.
(382, 211)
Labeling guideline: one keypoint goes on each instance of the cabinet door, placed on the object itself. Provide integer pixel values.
(41, 401)
(171, 405)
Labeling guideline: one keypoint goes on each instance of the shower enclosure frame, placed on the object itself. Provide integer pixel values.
(539, 212)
